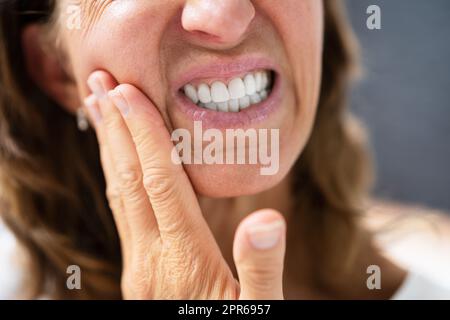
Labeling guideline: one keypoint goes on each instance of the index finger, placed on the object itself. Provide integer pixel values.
(169, 189)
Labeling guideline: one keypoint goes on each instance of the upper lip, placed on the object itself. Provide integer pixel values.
(222, 69)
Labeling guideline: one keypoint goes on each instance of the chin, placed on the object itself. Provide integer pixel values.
(227, 181)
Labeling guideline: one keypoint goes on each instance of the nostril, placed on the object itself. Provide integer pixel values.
(218, 20)
(206, 36)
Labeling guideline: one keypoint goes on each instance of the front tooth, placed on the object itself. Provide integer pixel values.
(233, 105)
(244, 102)
(255, 98)
(191, 93)
(250, 85)
(211, 106)
(258, 81)
(222, 106)
(219, 92)
(204, 94)
(236, 88)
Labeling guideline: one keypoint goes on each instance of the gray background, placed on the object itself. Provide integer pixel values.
(404, 98)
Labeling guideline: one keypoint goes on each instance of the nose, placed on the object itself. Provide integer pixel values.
(224, 21)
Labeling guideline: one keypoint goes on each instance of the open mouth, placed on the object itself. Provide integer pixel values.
(235, 95)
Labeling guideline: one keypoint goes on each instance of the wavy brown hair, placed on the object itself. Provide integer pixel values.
(52, 187)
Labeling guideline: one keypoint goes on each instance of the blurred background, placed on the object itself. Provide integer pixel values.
(404, 97)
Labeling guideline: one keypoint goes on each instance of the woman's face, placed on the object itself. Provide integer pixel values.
(161, 46)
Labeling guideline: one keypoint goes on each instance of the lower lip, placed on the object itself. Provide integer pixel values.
(253, 115)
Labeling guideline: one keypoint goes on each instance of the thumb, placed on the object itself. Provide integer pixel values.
(258, 250)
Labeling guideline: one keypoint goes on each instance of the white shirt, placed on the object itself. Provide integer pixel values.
(9, 265)
(420, 287)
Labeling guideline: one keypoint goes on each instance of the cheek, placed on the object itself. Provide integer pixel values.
(305, 47)
(300, 25)
(127, 47)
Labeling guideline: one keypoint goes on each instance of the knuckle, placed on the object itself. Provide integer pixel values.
(164, 195)
(113, 196)
(160, 186)
(130, 178)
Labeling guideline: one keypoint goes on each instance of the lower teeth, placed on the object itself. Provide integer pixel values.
(238, 104)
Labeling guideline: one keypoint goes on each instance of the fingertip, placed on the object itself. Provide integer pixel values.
(263, 217)
(101, 75)
(98, 74)
(100, 82)
(128, 89)
(262, 230)
(265, 236)
(92, 107)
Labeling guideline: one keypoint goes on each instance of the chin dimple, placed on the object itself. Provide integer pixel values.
(237, 95)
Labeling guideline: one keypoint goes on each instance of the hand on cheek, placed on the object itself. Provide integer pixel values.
(168, 249)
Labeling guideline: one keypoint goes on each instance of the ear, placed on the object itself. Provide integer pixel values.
(46, 69)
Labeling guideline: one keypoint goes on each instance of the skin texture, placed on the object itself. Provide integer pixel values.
(186, 231)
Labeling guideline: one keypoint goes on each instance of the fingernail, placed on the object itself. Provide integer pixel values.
(120, 102)
(265, 235)
(96, 86)
(92, 108)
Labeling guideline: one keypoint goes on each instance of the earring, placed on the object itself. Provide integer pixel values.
(82, 121)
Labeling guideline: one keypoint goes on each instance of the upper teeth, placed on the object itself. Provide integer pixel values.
(239, 94)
